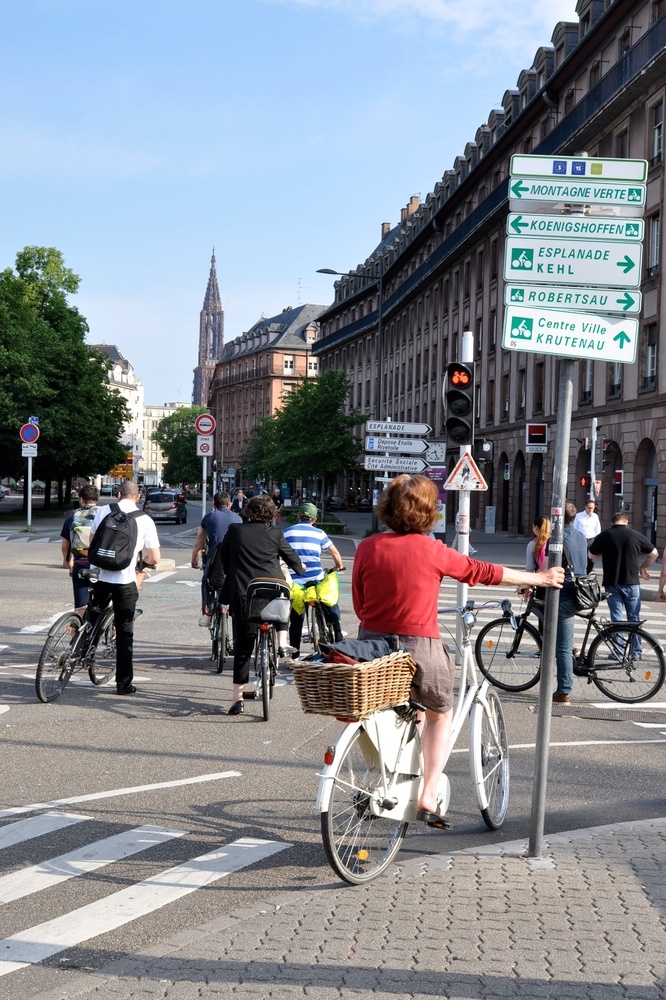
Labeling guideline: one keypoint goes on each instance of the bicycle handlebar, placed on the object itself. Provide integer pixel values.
(470, 606)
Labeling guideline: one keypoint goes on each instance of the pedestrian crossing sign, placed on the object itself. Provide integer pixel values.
(466, 475)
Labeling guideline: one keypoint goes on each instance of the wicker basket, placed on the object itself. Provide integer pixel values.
(354, 691)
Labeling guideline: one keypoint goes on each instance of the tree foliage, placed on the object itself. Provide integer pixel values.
(310, 436)
(46, 369)
(177, 437)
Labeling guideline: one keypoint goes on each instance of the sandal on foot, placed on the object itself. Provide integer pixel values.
(434, 819)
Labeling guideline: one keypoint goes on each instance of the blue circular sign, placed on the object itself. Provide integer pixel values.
(29, 433)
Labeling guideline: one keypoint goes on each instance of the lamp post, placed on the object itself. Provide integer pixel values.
(379, 281)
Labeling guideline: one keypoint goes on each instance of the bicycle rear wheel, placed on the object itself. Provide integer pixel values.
(489, 759)
(509, 657)
(102, 652)
(56, 662)
(221, 639)
(616, 674)
(359, 845)
(265, 668)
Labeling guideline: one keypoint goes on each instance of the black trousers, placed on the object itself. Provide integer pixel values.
(245, 634)
(123, 597)
(331, 614)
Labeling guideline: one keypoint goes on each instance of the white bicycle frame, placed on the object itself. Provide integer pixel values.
(399, 758)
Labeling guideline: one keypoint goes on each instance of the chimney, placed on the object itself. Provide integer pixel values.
(414, 203)
(403, 214)
(386, 229)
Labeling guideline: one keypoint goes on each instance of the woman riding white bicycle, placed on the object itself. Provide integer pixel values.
(395, 590)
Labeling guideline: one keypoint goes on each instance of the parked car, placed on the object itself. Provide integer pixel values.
(4, 491)
(166, 506)
(107, 490)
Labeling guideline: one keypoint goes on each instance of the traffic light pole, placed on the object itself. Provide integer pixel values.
(462, 518)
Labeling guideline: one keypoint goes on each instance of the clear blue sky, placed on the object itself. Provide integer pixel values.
(137, 134)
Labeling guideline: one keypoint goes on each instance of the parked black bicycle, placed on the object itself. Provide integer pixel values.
(623, 660)
(74, 643)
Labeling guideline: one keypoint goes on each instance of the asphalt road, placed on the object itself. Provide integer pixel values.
(254, 779)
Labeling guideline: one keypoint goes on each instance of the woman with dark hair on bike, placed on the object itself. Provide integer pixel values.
(395, 590)
(249, 550)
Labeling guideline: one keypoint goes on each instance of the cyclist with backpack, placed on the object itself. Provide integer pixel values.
(75, 543)
(120, 533)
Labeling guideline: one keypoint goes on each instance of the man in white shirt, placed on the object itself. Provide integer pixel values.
(120, 586)
(587, 521)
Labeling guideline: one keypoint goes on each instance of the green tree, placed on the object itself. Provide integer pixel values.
(46, 369)
(177, 437)
(310, 437)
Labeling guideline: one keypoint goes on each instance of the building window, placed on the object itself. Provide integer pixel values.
(622, 144)
(595, 73)
(658, 9)
(614, 379)
(624, 43)
(466, 279)
(504, 415)
(520, 407)
(650, 362)
(569, 100)
(584, 25)
(479, 269)
(657, 133)
(490, 402)
(492, 330)
(537, 406)
(654, 233)
(456, 287)
(288, 364)
(313, 366)
(586, 381)
(493, 259)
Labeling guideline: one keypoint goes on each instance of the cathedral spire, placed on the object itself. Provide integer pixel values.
(211, 337)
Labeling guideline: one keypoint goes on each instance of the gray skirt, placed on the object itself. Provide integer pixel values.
(433, 681)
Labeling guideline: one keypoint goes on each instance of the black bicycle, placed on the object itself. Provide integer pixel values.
(220, 632)
(268, 605)
(624, 661)
(74, 643)
(318, 628)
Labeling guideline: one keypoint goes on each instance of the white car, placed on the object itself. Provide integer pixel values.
(4, 491)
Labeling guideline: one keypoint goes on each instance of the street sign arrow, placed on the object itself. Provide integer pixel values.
(627, 264)
(407, 446)
(605, 300)
(622, 338)
(518, 188)
(391, 427)
(517, 224)
(390, 463)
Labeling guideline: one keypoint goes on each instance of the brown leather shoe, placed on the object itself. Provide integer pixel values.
(562, 696)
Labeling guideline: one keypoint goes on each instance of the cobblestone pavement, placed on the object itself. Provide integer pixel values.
(585, 922)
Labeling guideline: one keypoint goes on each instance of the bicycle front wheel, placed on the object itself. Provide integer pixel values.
(102, 664)
(56, 663)
(626, 664)
(359, 845)
(265, 668)
(509, 657)
(489, 759)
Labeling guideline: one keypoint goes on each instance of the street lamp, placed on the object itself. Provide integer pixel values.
(380, 348)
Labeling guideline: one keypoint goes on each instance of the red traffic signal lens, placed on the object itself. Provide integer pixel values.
(460, 377)
(583, 480)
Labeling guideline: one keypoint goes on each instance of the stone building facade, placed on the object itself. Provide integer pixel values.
(599, 88)
(254, 374)
(152, 467)
(211, 338)
(124, 379)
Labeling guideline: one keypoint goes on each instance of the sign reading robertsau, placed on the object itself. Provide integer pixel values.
(585, 262)
(570, 334)
(606, 300)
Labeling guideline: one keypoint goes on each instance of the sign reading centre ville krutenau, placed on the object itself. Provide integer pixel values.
(570, 334)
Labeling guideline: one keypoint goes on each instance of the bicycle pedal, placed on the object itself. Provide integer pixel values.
(249, 695)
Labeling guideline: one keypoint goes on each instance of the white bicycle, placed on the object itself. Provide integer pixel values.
(370, 785)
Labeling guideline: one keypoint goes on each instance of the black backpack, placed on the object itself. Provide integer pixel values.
(115, 539)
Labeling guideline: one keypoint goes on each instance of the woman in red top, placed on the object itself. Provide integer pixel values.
(395, 590)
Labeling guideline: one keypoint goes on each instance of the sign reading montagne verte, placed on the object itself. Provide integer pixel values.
(547, 256)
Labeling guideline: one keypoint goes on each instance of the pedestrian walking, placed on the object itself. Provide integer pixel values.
(575, 564)
(626, 556)
(587, 521)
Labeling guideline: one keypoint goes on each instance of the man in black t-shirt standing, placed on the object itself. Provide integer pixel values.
(627, 556)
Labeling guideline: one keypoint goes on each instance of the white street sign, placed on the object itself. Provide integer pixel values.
(204, 444)
(466, 475)
(576, 262)
(592, 167)
(570, 334)
(379, 463)
(29, 450)
(390, 427)
(604, 300)
(582, 227)
(406, 446)
(574, 191)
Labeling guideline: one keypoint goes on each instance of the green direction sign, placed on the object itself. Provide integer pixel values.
(601, 300)
(590, 167)
(578, 191)
(570, 334)
(574, 262)
(582, 227)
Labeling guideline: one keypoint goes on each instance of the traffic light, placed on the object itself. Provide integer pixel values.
(483, 450)
(604, 447)
(459, 403)
(585, 482)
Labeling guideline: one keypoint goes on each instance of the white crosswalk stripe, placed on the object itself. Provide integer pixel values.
(36, 826)
(34, 944)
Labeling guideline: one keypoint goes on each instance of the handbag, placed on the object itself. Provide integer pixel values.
(587, 588)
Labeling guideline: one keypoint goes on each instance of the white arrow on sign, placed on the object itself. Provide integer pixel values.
(389, 427)
(378, 463)
(603, 300)
(406, 446)
(573, 262)
(570, 334)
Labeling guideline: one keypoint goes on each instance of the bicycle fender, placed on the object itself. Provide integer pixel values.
(326, 780)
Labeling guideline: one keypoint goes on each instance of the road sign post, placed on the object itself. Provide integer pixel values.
(29, 435)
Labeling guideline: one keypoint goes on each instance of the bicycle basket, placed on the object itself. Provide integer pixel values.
(267, 600)
(354, 691)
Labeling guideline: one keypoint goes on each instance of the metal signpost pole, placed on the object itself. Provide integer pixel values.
(547, 683)
(378, 402)
(593, 460)
(29, 523)
(462, 518)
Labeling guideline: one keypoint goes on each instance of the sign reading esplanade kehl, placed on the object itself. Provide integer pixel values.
(559, 241)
